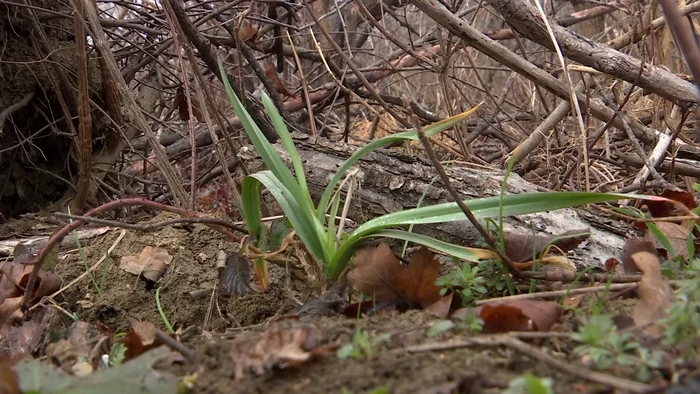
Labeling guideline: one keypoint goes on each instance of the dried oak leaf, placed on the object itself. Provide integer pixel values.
(519, 315)
(278, 347)
(139, 339)
(677, 236)
(520, 247)
(631, 246)
(151, 263)
(654, 293)
(379, 274)
(15, 276)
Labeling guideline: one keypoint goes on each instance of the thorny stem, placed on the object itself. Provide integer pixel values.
(63, 231)
(446, 181)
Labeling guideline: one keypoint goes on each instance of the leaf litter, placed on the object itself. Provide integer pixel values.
(289, 356)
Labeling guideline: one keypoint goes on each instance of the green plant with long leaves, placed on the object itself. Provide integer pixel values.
(290, 190)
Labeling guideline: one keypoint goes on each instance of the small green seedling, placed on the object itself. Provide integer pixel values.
(607, 347)
(440, 327)
(163, 317)
(362, 346)
(117, 354)
(529, 384)
(465, 281)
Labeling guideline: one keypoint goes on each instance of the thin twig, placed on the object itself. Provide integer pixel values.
(154, 226)
(446, 181)
(168, 341)
(560, 293)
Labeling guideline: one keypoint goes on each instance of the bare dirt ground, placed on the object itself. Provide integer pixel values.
(397, 364)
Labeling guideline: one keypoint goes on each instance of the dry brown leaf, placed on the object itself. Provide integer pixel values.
(677, 236)
(140, 339)
(235, 276)
(379, 274)
(631, 246)
(151, 263)
(278, 347)
(444, 306)
(183, 108)
(25, 338)
(557, 263)
(10, 309)
(76, 347)
(145, 330)
(520, 247)
(247, 30)
(9, 381)
(15, 276)
(271, 73)
(519, 315)
(654, 292)
(661, 208)
(614, 266)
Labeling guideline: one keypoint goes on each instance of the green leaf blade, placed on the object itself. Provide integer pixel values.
(307, 227)
(411, 135)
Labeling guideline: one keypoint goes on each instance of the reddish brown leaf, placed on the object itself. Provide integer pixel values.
(139, 339)
(247, 30)
(133, 344)
(660, 208)
(519, 315)
(181, 102)
(520, 247)
(654, 292)
(380, 275)
(183, 108)
(9, 382)
(271, 72)
(613, 265)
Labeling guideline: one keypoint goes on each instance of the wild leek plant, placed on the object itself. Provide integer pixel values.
(290, 190)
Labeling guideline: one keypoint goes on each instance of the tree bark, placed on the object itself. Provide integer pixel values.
(524, 18)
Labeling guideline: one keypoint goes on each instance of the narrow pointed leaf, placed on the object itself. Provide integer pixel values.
(265, 149)
(286, 139)
(307, 227)
(429, 130)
